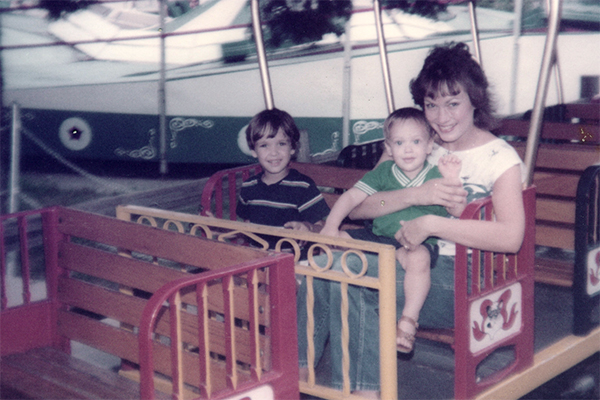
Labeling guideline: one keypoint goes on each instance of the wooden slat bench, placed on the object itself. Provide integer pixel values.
(498, 271)
(569, 143)
(183, 316)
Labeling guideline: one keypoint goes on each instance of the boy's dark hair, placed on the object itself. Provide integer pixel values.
(267, 123)
(445, 68)
(404, 114)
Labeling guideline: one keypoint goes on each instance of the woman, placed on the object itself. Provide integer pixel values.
(453, 92)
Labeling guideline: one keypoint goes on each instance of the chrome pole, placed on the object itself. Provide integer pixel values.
(347, 87)
(515, 58)
(162, 97)
(475, 32)
(537, 114)
(557, 74)
(262, 58)
(15, 160)
(383, 55)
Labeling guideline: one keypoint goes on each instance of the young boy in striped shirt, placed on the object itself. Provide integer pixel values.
(279, 195)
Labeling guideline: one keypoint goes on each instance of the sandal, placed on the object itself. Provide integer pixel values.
(409, 337)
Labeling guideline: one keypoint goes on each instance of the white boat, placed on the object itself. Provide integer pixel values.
(100, 100)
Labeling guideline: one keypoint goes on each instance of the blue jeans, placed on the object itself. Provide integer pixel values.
(363, 318)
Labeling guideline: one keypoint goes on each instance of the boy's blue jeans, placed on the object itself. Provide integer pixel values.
(363, 318)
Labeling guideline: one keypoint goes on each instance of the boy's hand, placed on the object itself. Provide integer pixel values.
(298, 226)
(329, 231)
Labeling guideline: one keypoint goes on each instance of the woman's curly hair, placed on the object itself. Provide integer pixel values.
(446, 69)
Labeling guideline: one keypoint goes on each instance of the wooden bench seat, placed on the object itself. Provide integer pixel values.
(177, 313)
(48, 373)
(569, 143)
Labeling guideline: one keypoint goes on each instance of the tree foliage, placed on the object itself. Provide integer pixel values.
(57, 8)
(290, 22)
(429, 9)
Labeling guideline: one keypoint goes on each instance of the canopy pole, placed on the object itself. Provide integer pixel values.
(475, 32)
(15, 160)
(515, 56)
(557, 74)
(162, 97)
(383, 55)
(347, 86)
(537, 114)
(262, 58)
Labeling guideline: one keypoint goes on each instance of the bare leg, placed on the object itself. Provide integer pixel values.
(417, 282)
(345, 235)
(450, 166)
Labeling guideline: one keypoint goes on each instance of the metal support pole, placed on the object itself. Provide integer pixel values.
(537, 114)
(475, 32)
(383, 55)
(557, 74)
(346, 87)
(162, 97)
(515, 59)
(15, 160)
(262, 58)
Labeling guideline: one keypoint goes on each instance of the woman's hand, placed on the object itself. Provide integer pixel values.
(444, 192)
(414, 232)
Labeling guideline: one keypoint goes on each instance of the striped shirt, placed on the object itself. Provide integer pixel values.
(294, 198)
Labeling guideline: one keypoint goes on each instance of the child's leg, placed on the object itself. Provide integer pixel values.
(345, 235)
(450, 166)
(417, 281)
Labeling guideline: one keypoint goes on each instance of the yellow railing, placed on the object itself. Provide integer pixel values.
(385, 283)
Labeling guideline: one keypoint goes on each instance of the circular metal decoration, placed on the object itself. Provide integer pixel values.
(75, 133)
(242, 142)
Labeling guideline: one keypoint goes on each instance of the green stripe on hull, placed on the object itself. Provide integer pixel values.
(189, 139)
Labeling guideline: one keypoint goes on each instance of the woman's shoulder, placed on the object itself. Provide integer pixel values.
(500, 145)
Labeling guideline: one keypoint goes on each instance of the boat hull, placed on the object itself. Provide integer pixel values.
(208, 106)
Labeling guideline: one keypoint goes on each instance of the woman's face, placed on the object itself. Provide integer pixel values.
(451, 116)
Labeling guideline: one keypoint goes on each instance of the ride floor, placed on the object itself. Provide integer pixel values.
(428, 372)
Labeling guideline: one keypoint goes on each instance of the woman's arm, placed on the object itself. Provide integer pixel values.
(504, 234)
(443, 192)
